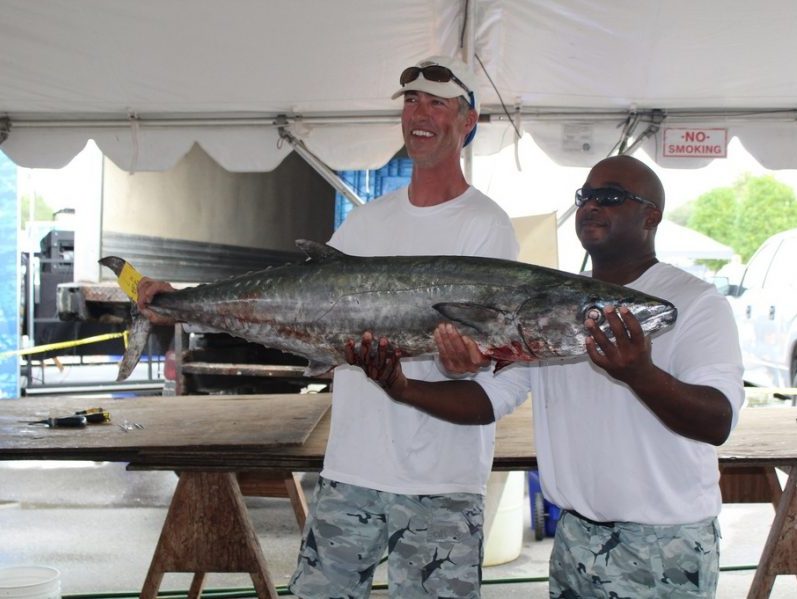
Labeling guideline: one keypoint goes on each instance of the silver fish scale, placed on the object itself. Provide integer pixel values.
(514, 311)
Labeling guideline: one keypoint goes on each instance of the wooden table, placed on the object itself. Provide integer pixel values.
(215, 441)
(207, 527)
(764, 439)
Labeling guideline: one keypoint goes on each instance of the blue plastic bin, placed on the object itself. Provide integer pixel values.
(544, 514)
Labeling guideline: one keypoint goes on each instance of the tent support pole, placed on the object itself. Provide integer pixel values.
(322, 169)
(468, 50)
(657, 117)
(5, 127)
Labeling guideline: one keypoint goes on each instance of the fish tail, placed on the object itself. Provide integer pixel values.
(127, 276)
(136, 342)
(128, 279)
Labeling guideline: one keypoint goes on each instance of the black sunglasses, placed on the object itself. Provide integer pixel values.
(432, 72)
(608, 196)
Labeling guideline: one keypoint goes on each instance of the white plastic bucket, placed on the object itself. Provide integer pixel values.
(503, 517)
(30, 582)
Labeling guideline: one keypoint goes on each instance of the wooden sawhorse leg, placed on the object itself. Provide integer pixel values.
(207, 529)
(780, 551)
(280, 484)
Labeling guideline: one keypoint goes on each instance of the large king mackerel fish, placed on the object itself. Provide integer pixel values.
(514, 311)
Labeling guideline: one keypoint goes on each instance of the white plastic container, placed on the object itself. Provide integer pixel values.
(30, 582)
(503, 517)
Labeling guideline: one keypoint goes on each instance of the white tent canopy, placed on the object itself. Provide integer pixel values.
(148, 79)
(680, 245)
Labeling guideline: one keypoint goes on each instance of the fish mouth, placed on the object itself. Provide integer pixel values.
(655, 317)
(671, 315)
(652, 317)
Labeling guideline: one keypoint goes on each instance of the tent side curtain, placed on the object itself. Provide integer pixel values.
(579, 141)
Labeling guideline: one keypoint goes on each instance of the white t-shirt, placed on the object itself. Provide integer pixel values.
(376, 442)
(602, 452)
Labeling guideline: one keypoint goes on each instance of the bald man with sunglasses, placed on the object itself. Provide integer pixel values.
(405, 474)
(626, 440)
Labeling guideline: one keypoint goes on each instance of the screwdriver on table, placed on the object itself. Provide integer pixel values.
(79, 419)
(95, 415)
(76, 421)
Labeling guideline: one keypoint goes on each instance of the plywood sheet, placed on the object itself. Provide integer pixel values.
(289, 432)
(187, 424)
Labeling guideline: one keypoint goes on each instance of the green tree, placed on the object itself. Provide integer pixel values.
(765, 206)
(41, 210)
(745, 215)
(680, 215)
(714, 214)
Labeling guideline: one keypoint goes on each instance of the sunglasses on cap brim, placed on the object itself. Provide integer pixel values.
(608, 196)
(432, 72)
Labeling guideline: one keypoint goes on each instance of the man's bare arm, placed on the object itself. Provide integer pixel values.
(460, 402)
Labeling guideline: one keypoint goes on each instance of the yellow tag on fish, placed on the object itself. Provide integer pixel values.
(128, 281)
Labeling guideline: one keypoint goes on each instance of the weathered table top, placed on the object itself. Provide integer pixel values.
(285, 432)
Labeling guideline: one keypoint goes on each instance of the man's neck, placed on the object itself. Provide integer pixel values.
(620, 271)
(435, 185)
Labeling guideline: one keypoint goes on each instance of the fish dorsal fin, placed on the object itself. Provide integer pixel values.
(318, 251)
(476, 316)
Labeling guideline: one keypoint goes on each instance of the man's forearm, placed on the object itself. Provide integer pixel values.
(695, 411)
(460, 402)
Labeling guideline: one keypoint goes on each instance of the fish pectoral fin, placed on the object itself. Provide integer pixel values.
(318, 251)
(136, 342)
(477, 316)
(316, 369)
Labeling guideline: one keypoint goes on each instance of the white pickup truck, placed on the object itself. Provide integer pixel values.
(765, 305)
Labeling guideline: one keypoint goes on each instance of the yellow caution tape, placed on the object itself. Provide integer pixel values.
(63, 345)
(128, 281)
(779, 390)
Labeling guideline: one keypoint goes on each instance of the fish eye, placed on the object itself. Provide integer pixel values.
(595, 313)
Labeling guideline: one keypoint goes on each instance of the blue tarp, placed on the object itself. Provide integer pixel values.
(370, 184)
(9, 275)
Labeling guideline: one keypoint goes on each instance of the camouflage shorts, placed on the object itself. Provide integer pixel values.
(627, 560)
(434, 543)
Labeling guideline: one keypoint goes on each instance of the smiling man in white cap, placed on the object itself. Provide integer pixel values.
(405, 472)
(443, 77)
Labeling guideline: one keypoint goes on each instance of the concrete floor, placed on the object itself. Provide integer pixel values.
(98, 524)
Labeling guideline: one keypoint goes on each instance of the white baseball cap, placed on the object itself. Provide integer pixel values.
(442, 76)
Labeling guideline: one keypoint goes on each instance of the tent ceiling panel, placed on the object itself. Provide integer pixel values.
(675, 54)
(147, 79)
